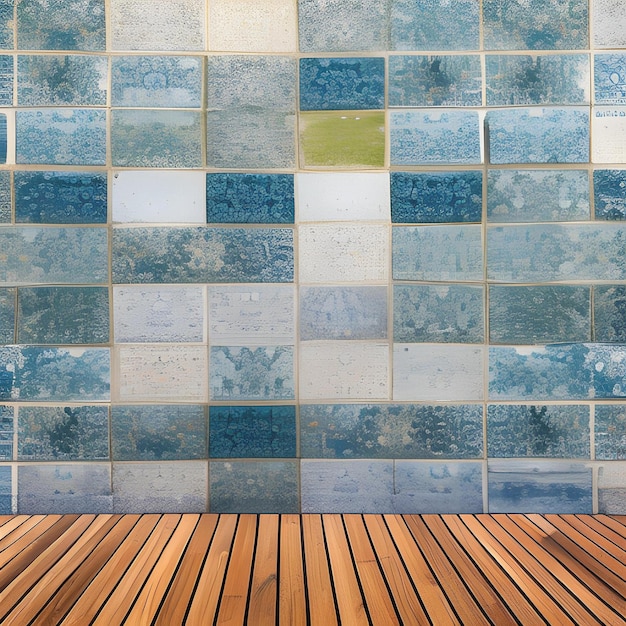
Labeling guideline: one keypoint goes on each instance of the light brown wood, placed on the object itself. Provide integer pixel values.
(601, 533)
(18, 540)
(14, 527)
(263, 589)
(291, 594)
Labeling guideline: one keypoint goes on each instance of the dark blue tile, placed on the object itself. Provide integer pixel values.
(7, 424)
(609, 194)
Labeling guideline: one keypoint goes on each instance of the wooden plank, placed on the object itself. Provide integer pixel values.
(291, 592)
(32, 529)
(612, 522)
(15, 527)
(612, 540)
(264, 585)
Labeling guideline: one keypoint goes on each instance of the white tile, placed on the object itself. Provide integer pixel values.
(608, 135)
(608, 23)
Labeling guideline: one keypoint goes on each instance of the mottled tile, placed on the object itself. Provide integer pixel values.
(612, 489)
(158, 432)
(609, 194)
(539, 314)
(608, 23)
(68, 25)
(61, 136)
(251, 373)
(539, 487)
(342, 83)
(156, 81)
(610, 432)
(6, 490)
(202, 255)
(609, 78)
(436, 372)
(6, 24)
(5, 197)
(156, 487)
(254, 487)
(437, 488)
(71, 433)
(7, 426)
(53, 255)
(343, 312)
(538, 135)
(608, 135)
(344, 369)
(145, 138)
(435, 25)
(447, 253)
(438, 313)
(60, 197)
(177, 25)
(431, 197)
(356, 253)
(342, 138)
(3, 138)
(159, 313)
(252, 431)
(386, 431)
(537, 195)
(609, 313)
(57, 80)
(64, 489)
(250, 198)
(7, 316)
(435, 137)
(63, 315)
(6, 75)
(435, 80)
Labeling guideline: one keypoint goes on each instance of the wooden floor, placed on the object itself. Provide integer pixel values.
(313, 569)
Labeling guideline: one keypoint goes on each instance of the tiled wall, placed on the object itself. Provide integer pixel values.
(313, 255)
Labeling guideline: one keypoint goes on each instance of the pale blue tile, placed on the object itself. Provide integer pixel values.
(7, 316)
(6, 76)
(609, 194)
(448, 253)
(609, 313)
(5, 197)
(609, 78)
(434, 137)
(610, 432)
(6, 24)
(7, 425)
(539, 314)
(6, 491)
(435, 80)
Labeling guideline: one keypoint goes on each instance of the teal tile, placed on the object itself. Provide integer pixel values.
(6, 76)
(6, 24)
(7, 425)
(7, 315)
(6, 490)
(5, 197)
(610, 432)
(609, 313)
(609, 194)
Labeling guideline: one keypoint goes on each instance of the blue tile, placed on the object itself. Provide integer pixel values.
(434, 137)
(609, 78)
(549, 135)
(156, 81)
(158, 432)
(537, 195)
(435, 80)
(7, 415)
(6, 490)
(7, 316)
(53, 80)
(5, 197)
(539, 314)
(77, 433)
(610, 432)
(6, 24)
(61, 137)
(609, 194)
(252, 431)
(250, 198)
(60, 197)
(342, 83)
(430, 197)
(3, 138)
(609, 313)
(6, 77)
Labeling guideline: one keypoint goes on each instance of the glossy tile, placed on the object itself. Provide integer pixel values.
(7, 426)
(609, 313)
(610, 432)
(608, 135)
(7, 315)
(5, 197)
(609, 78)
(6, 75)
(612, 489)
(608, 24)
(6, 24)
(609, 194)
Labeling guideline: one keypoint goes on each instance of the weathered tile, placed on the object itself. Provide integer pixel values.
(202, 255)
(254, 487)
(156, 81)
(3, 138)
(53, 255)
(6, 75)
(343, 312)
(539, 314)
(156, 487)
(61, 136)
(387, 431)
(609, 194)
(521, 430)
(60, 197)
(436, 372)
(538, 135)
(343, 83)
(344, 369)
(6, 491)
(609, 313)
(537, 195)
(612, 489)
(610, 432)
(63, 315)
(347, 486)
(7, 315)
(608, 135)
(537, 79)
(539, 487)
(342, 138)
(7, 426)
(435, 137)
(5, 197)
(158, 432)
(608, 24)
(447, 253)
(153, 138)
(6, 24)
(609, 78)
(437, 488)
(250, 198)
(71, 433)
(435, 80)
(159, 313)
(430, 197)
(64, 489)
(354, 252)
(435, 25)
(68, 25)
(251, 373)
(438, 313)
(56, 80)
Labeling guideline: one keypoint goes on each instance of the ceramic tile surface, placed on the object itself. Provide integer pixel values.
(609, 194)
(5, 197)
(608, 127)
(610, 489)
(609, 313)
(610, 431)
(7, 315)
(6, 24)
(7, 426)
(6, 77)
(6, 489)
(609, 76)
(608, 23)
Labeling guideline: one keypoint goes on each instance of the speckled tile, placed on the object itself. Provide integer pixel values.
(612, 489)
(6, 76)
(6, 24)
(6, 491)
(609, 313)
(3, 138)
(438, 314)
(609, 194)
(60, 197)
(609, 78)
(610, 432)
(539, 314)
(7, 316)
(7, 425)
(5, 197)
(608, 23)
(435, 80)
(608, 135)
